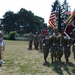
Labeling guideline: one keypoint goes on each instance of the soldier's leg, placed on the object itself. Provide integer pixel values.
(46, 52)
(37, 46)
(73, 50)
(29, 44)
(68, 54)
(41, 47)
(61, 53)
(52, 54)
(55, 53)
(65, 53)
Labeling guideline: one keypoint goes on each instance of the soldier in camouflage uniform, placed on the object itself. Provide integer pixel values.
(46, 46)
(36, 41)
(53, 44)
(30, 38)
(73, 47)
(67, 51)
(60, 43)
(41, 42)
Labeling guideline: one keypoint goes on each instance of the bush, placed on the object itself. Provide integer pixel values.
(12, 35)
(26, 35)
(6, 37)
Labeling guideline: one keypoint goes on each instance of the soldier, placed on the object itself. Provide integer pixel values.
(30, 38)
(2, 46)
(53, 41)
(67, 45)
(41, 42)
(73, 47)
(36, 41)
(46, 46)
(60, 43)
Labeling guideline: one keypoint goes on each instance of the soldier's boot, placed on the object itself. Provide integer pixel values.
(59, 59)
(67, 60)
(45, 60)
(52, 60)
(45, 57)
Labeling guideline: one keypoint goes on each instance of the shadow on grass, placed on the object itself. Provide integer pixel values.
(69, 68)
(73, 71)
(46, 64)
(57, 67)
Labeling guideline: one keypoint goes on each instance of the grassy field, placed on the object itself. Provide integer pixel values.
(20, 61)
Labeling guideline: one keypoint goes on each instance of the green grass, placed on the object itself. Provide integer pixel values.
(20, 61)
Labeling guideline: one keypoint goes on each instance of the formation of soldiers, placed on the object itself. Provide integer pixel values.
(56, 44)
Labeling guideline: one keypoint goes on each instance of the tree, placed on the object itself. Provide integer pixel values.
(60, 14)
(8, 21)
(23, 22)
(64, 8)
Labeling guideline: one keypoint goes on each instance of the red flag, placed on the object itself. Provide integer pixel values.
(52, 20)
(71, 25)
(69, 28)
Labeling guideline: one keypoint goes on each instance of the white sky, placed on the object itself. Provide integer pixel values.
(40, 8)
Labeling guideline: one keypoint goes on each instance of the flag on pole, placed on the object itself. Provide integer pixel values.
(52, 19)
(71, 25)
(69, 28)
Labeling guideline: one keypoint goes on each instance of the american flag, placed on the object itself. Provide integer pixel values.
(52, 19)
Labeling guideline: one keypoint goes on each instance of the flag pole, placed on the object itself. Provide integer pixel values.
(59, 20)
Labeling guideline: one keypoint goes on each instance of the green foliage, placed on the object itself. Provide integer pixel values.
(6, 37)
(26, 35)
(23, 22)
(64, 8)
(12, 35)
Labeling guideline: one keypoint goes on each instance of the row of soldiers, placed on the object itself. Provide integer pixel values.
(36, 40)
(55, 44)
(58, 45)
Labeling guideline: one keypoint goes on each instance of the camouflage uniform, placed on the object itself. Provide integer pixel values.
(67, 51)
(53, 44)
(30, 38)
(73, 47)
(46, 46)
(41, 42)
(36, 41)
(60, 43)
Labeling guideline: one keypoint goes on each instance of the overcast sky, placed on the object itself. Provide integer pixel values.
(40, 8)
